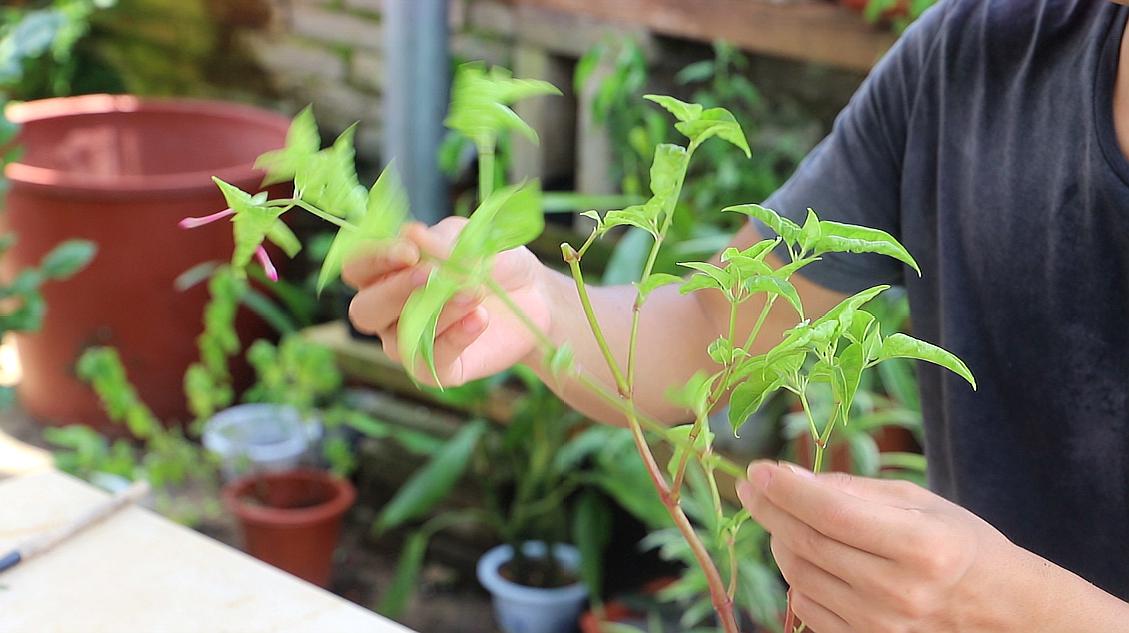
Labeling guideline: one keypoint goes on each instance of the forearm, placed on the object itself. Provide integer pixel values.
(1055, 600)
(674, 331)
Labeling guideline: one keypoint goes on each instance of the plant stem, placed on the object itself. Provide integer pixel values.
(720, 390)
(328, 217)
(593, 323)
(760, 322)
(731, 545)
(598, 388)
(485, 170)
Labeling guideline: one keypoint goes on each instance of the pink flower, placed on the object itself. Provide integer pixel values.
(264, 260)
(191, 223)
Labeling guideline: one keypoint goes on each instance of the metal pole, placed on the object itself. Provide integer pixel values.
(415, 100)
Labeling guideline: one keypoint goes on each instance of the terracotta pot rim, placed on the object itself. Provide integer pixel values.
(344, 496)
(158, 184)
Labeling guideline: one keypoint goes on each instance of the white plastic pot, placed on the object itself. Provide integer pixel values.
(521, 609)
(259, 437)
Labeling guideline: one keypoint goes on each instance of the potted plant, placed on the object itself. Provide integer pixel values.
(547, 479)
(115, 170)
(290, 517)
(836, 348)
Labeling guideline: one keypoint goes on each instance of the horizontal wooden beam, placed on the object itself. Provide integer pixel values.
(810, 30)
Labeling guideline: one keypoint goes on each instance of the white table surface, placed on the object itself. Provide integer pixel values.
(137, 572)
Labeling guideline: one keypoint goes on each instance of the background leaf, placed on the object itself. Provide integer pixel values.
(434, 481)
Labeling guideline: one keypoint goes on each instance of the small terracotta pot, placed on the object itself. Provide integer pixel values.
(291, 519)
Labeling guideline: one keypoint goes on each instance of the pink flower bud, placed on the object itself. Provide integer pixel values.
(191, 223)
(264, 260)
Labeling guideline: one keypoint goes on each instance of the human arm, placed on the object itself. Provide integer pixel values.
(480, 336)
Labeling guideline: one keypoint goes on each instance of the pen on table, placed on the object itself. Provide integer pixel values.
(37, 545)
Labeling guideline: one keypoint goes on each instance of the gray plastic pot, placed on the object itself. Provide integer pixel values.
(521, 609)
(260, 438)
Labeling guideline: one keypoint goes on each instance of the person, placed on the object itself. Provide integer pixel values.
(992, 140)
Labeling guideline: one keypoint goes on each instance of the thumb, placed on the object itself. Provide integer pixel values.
(436, 241)
(887, 491)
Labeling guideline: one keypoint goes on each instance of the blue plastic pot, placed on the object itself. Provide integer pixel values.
(521, 609)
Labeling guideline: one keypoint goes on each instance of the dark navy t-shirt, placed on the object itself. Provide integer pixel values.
(985, 142)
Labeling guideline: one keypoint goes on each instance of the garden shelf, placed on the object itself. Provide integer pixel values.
(807, 30)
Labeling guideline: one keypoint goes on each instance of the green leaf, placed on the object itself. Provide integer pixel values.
(694, 395)
(902, 346)
(776, 286)
(480, 101)
(595, 215)
(418, 323)
(642, 216)
(328, 179)
(252, 221)
(721, 276)
(721, 351)
(561, 362)
(845, 384)
(748, 396)
(667, 171)
(302, 142)
(717, 122)
(281, 236)
(864, 454)
(68, 258)
(848, 238)
(655, 281)
(681, 439)
(842, 316)
(592, 531)
(434, 481)
(385, 211)
(508, 218)
(396, 596)
(810, 232)
(681, 110)
(788, 230)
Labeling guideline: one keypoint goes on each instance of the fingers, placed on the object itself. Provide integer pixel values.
(872, 526)
(450, 346)
(806, 578)
(369, 266)
(438, 240)
(816, 617)
(852, 565)
(377, 307)
(417, 239)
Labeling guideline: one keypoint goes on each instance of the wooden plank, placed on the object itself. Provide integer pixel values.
(811, 30)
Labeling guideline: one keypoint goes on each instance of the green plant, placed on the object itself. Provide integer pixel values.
(834, 349)
(546, 476)
(779, 136)
(295, 373)
(901, 13)
(34, 45)
(21, 303)
(40, 52)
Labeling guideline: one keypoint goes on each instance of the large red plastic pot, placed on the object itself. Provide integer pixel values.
(291, 519)
(121, 171)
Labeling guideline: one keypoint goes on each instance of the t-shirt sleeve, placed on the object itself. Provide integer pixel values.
(854, 175)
